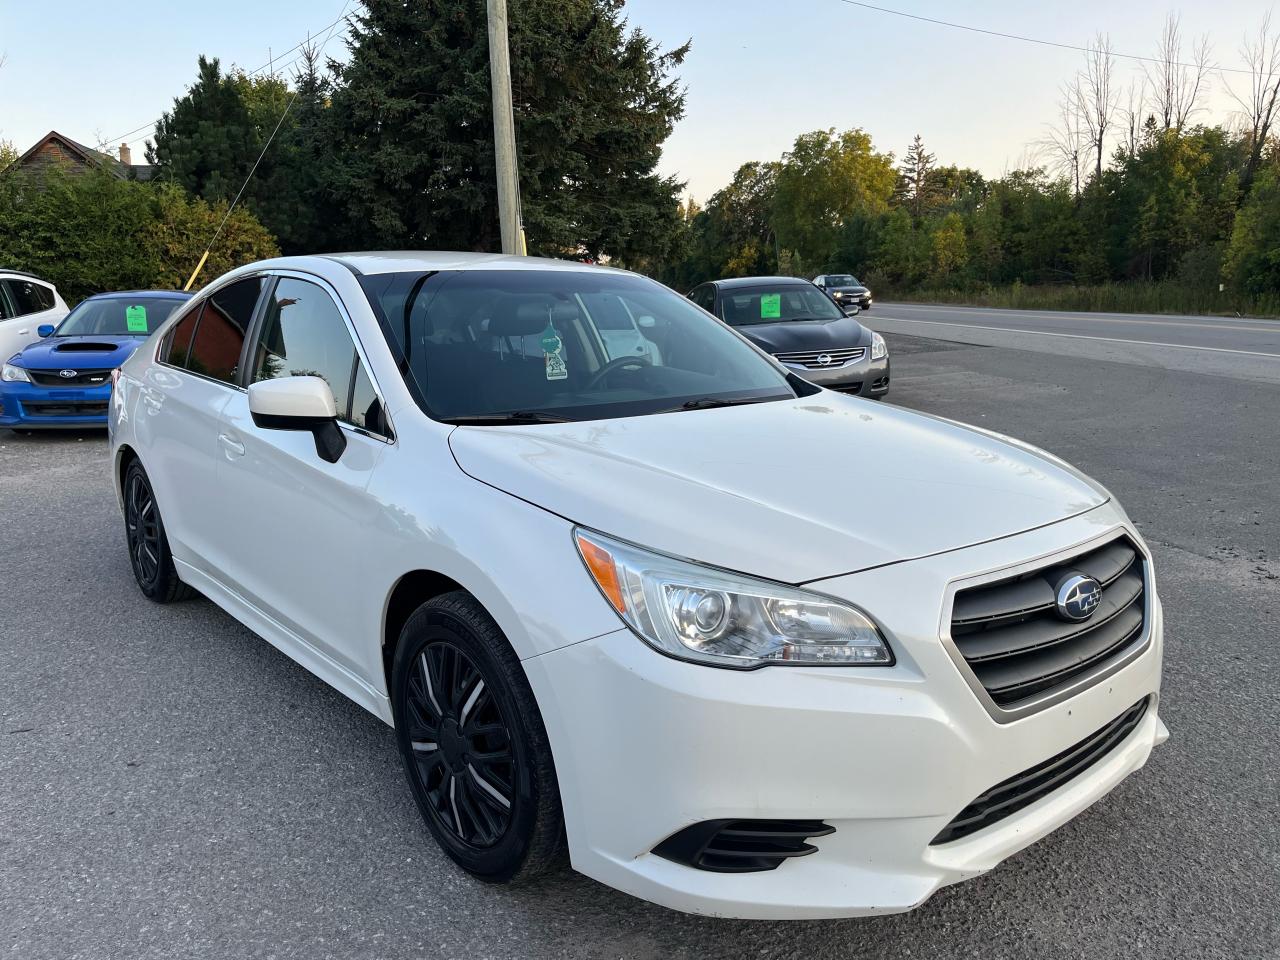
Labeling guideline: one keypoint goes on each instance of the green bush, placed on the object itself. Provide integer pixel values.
(91, 232)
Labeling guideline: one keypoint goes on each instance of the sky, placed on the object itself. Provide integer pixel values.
(760, 72)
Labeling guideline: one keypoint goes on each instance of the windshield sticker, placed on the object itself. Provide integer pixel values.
(135, 319)
(770, 306)
(553, 352)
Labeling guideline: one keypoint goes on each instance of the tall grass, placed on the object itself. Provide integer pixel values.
(1159, 297)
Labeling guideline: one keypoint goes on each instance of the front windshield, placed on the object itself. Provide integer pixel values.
(842, 280)
(117, 317)
(572, 344)
(745, 306)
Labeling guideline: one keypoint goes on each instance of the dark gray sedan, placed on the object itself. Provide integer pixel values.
(845, 289)
(804, 329)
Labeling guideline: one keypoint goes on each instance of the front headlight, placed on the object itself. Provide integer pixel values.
(712, 616)
(879, 349)
(11, 373)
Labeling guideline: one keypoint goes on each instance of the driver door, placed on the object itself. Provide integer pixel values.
(299, 520)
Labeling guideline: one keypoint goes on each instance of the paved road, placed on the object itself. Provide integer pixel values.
(170, 786)
(1232, 347)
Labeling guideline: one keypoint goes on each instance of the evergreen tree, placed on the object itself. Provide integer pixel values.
(915, 188)
(412, 129)
(207, 143)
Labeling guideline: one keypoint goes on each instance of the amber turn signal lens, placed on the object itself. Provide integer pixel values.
(602, 568)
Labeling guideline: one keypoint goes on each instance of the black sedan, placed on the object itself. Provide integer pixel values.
(803, 328)
(845, 289)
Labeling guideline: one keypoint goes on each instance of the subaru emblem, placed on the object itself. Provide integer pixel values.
(1078, 596)
(67, 374)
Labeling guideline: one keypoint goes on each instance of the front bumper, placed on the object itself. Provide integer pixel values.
(646, 745)
(865, 377)
(28, 406)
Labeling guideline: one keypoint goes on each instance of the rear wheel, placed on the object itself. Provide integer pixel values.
(473, 743)
(148, 547)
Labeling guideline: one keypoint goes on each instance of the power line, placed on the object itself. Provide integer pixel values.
(274, 65)
(265, 147)
(1041, 42)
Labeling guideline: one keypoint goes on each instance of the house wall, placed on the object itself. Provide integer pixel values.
(54, 154)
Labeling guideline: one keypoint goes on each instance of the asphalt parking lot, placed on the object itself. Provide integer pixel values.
(170, 786)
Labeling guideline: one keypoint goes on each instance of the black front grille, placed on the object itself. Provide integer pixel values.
(1010, 796)
(75, 408)
(1018, 646)
(82, 378)
(742, 846)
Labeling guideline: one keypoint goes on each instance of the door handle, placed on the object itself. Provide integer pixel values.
(230, 446)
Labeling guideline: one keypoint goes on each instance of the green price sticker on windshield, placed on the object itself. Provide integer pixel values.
(135, 319)
(770, 306)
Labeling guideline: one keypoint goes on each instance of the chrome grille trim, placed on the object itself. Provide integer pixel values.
(809, 358)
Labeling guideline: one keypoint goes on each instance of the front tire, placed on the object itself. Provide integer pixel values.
(473, 743)
(149, 553)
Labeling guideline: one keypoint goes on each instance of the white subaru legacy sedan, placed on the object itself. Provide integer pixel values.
(746, 647)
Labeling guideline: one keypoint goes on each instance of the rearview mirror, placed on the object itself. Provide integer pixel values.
(299, 403)
(45, 329)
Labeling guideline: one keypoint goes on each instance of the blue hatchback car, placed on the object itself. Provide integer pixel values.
(64, 379)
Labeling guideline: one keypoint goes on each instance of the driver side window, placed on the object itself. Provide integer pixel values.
(304, 334)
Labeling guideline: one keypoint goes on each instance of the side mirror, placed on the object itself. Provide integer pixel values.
(647, 322)
(299, 403)
(852, 310)
(45, 329)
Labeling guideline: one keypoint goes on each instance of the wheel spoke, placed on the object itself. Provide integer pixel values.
(467, 707)
(430, 687)
(453, 803)
(487, 789)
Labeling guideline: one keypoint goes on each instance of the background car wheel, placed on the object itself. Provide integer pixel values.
(148, 547)
(473, 743)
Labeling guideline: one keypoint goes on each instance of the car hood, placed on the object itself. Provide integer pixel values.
(78, 353)
(791, 490)
(858, 290)
(806, 335)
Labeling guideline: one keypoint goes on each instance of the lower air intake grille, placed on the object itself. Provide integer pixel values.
(741, 846)
(1007, 798)
(1020, 645)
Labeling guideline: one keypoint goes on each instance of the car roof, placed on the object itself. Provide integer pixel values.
(157, 294)
(22, 273)
(400, 261)
(757, 281)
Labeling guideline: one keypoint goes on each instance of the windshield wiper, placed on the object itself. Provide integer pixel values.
(513, 418)
(710, 403)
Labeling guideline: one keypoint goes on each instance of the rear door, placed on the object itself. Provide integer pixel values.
(299, 521)
(24, 305)
(197, 372)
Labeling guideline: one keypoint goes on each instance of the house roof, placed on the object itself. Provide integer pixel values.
(89, 155)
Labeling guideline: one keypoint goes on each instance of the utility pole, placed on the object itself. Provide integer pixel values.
(504, 129)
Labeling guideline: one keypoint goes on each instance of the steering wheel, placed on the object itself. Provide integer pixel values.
(638, 361)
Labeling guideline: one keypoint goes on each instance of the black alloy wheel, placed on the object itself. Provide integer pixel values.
(461, 745)
(473, 743)
(142, 527)
(148, 547)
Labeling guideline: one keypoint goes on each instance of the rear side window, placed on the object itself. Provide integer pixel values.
(27, 296)
(177, 342)
(304, 335)
(220, 331)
